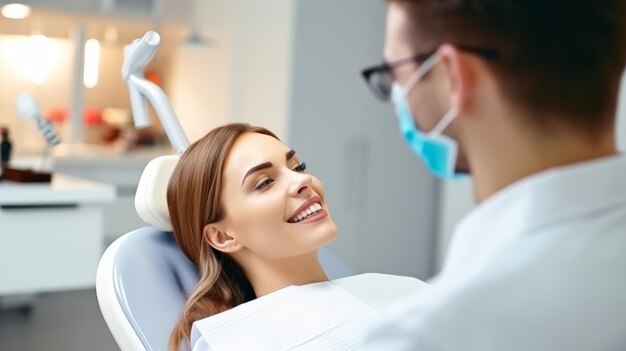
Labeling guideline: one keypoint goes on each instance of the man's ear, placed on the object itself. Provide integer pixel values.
(218, 238)
(460, 75)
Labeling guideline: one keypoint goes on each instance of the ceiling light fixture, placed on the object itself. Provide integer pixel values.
(15, 11)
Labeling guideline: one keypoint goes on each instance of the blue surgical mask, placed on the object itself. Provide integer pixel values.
(437, 151)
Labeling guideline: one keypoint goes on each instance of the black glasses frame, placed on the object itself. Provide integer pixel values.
(387, 67)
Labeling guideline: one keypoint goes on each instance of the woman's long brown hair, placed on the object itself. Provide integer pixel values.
(193, 196)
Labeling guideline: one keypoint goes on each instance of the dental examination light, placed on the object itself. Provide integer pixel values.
(136, 56)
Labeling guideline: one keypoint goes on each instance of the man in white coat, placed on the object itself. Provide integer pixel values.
(522, 95)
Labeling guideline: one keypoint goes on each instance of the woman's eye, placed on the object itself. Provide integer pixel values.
(301, 167)
(264, 184)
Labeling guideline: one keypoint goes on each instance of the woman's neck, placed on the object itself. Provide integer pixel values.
(267, 276)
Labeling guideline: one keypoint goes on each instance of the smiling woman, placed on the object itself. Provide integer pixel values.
(245, 211)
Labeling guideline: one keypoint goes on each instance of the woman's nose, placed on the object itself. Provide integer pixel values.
(301, 184)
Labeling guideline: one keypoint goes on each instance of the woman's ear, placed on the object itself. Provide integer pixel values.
(218, 238)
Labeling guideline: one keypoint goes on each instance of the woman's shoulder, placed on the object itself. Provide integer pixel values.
(380, 291)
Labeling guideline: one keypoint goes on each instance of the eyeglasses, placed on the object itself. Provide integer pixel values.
(379, 78)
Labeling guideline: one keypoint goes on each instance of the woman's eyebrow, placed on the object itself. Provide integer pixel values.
(256, 168)
(288, 155)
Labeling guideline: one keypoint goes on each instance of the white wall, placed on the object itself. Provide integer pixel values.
(201, 78)
(199, 89)
(243, 74)
(262, 63)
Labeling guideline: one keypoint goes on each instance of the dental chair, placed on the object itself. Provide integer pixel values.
(143, 277)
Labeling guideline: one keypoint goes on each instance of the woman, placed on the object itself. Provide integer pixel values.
(244, 210)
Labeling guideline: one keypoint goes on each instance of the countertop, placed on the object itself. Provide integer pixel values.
(62, 190)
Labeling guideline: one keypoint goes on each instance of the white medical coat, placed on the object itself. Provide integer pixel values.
(541, 265)
(335, 315)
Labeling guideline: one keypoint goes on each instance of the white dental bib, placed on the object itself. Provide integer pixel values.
(334, 315)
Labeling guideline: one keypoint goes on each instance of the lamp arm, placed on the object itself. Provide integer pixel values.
(164, 111)
(137, 55)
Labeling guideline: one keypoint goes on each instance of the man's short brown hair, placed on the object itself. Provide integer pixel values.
(555, 57)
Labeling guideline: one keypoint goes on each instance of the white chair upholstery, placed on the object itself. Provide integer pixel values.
(143, 276)
(151, 196)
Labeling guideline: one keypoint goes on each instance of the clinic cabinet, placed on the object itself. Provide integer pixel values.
(51, 235)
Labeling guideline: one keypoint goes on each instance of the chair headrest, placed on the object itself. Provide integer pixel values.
(151, 195)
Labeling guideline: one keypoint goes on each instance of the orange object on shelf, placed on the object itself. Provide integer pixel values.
(57, 114)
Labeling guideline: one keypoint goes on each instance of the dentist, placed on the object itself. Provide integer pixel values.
(522, 96)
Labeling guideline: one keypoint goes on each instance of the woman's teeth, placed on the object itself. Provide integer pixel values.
(316, 207)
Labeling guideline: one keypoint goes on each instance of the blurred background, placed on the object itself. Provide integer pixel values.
(291, 66)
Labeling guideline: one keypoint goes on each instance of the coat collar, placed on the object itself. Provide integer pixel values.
(530, 204)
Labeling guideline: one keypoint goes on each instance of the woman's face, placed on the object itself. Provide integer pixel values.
(273, 207)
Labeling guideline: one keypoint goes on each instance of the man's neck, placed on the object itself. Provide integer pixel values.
(267, 276)
(496, 167)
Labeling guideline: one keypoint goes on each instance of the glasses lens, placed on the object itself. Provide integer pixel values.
(381, 82)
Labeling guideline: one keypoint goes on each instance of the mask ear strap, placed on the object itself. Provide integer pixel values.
(445, 122)
(421, 71)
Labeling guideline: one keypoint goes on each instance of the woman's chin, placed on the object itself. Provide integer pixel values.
(330, 234)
